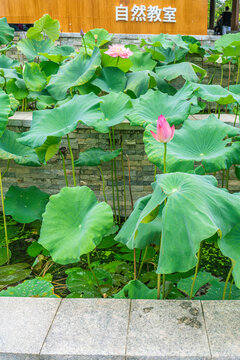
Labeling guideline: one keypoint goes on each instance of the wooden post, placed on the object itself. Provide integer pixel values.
(235, 15)
(212, 14)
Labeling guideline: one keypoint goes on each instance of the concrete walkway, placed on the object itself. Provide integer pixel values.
(97, 329)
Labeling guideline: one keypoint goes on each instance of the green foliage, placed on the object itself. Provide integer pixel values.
(95, 157)
(6, 32)
(31, 288)
(44, 26)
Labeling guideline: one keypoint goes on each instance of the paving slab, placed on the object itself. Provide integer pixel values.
(89, 329)
(24, 325)
(166, 330)
(223, 328)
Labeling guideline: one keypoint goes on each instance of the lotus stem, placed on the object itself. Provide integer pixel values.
(159, 286)
(129, 181)
(196, 271)
(226, 282)
(221, 81)
(238, 71)
(227, 178)
(64, 167)
(124, 185)
(165, 159)
(113, 192)
(72, 160)
(219, 111)
(155, 173)
(116, 180)
(90, 268)
(103, 183)
(230, 290)
(235, 120)
(8, 164)
(71, 91)
(223, 177)
(229, 74)
(117, 61)
(84, 45)
(142, 262)
(135, 264)
(4, 220)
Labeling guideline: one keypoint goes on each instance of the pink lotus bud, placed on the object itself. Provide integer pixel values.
(164, 133)
(81, 33)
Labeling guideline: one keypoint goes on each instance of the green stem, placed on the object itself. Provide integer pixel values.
(72, 160)
(135, 263)
(235, 120)
(238, 71)
(159, 286)
(230, 290)
(155, 173)
(223, 177)
(113, 192)
(64, 167)
(8, 164)
(227, 178)
(90, 268)
(221, 81)
(124, 186)
(163, 289)
(84, 45)
(103, 183)
(71, 92)
(117, 61)
(226, 282)
(143, 259)
(165, 159)
(116, 180)
(196, 271)
(4, 219)
(219, 111)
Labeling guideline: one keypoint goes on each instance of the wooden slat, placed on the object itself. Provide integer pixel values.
(191, 15)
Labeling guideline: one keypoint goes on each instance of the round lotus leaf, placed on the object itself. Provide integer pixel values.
(135, 289)
(11, 149)
(151, 105)
(32, 48)
(185, 69)
(215, 93)
(31, 288)
(25, 205)
(45, 25)
(62, 120)
(111, 79)
(6, 32)
(95, 156)
(197, 141)
(74, 224)
(34, 78)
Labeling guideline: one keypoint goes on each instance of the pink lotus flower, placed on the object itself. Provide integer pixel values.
(164, 133)
(118, 50)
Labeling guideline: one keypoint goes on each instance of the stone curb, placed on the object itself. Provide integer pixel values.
(107, 329)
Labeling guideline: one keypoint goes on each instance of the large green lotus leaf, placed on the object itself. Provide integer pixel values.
(69, 234)
(49, 68)
(11, 149)
(230, 247)
(47, 26)
(232, 50)
(45, 102)
(135, 289)
(48, 149)
(215, 93)
(5, 109)
(4, 255)
(11, 274)
(25, 205)
(31, 288)
(114, 107)
(80, 281)
(150, 106)
(138, 83)
(195, 210)
(6, 32)
(226, 40)
(32, 48)
(62, 120)
(197, 141)
(148, 233)
(142, 61)
(185, 69)
(7, 63)
(103, 37)
(111, 79)
(109, 61)
(59, 53)
(95, 156)
(18, 88)
(74, 73)
(33, 77)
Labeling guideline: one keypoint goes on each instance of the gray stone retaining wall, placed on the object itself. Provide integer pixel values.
(50, 178)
